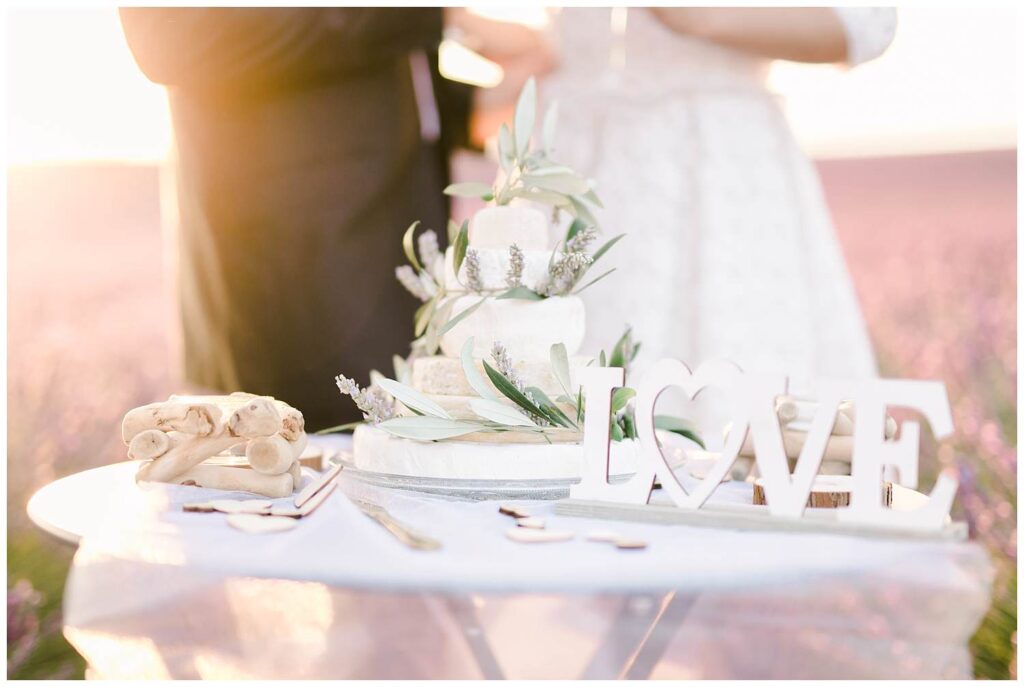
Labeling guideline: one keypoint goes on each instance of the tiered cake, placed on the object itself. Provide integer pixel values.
(527, 329)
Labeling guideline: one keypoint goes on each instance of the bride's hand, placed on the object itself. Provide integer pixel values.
(801, 34)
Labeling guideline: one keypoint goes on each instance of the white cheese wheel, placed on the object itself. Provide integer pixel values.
(501, 226)
(494, 269)
(526, 328)
(441, 375)
(375, 450)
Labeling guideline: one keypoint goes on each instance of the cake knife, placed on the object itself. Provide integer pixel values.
(402, 533)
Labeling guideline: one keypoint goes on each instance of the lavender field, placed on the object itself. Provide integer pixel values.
(931, 243)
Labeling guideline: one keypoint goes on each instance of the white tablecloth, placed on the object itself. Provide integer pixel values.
(157, 592)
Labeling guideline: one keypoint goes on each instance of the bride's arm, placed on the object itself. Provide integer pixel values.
(800, 34)
(495, 40)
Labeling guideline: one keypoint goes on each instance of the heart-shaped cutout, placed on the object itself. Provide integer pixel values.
(673, 373)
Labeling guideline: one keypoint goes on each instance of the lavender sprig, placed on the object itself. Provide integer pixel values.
(472, 263)
(503, 364)
(516, 263)
(413, 283)
(375, 403)
(430, 253)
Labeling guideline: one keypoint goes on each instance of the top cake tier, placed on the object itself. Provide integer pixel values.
(501, 226)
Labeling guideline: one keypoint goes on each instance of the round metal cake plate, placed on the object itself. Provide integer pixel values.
(477, 489)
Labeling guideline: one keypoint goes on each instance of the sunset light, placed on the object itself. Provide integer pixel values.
(97, 105)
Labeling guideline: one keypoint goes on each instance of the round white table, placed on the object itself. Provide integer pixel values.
(158, 592)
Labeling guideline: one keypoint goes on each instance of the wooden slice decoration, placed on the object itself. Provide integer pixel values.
(250, 523)
(513, 511)
(525, 535)
(312, 457)
(828, 491)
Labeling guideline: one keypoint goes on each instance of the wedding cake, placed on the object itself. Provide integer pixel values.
(490, 390)
(525, 331)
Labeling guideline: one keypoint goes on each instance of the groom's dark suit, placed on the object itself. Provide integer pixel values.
(302, 158)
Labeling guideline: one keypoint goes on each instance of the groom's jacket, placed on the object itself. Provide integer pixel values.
(307, 140)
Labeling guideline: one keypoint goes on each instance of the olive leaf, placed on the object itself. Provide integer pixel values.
(680, 426)
(402, 369)
(538, 196)
(551, 411)
(476, 381)
(524, 117)
(469, 189)
(521, 292)
(591, 196)
(423, 316)
(496, 411)
(407, 245)
(593, 281)
(559, 183)
(460, 247)
(340, 428)
(548, 128)
(506, 149)
(560, 367)
(507, 389)
(621, 396)
(605, 248)
(580, 209)
(412, 399)
(433, 335)
(453, 231)
(461, 316)
(429, 428)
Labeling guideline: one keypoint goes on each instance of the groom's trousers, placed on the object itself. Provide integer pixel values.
(305, 145)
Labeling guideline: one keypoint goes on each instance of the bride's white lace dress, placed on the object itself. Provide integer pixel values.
(730, 249)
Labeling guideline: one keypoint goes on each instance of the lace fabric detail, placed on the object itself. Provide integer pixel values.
(730, 251)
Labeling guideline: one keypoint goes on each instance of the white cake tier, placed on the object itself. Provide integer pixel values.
(375, 450)
(501, 226)
(459, 406)
(441, 375)
(526, 328)
(494, 269)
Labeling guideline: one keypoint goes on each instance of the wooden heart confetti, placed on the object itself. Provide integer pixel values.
(514, 511)
(316, 485)
(198, 508)
(246, 506)
(308, 507)
(531, 523)
(525, 535)
(251, 523)
(630, 544)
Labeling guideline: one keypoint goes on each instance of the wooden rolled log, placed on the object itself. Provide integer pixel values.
(199, 419)
(829, 491)
(786, 409)
(292, 422)
(151, 443)
(293, 425)
(837, 447)
(848, 410)
(258, 417)
(236, 479)
(185, 455)
(274, 455)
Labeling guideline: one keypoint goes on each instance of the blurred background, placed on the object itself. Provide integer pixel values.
(917, 153)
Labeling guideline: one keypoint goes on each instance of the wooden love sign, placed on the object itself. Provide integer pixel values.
(753, 397)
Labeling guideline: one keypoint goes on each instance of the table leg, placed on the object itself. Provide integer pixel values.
(640, 633)
(463, 611)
